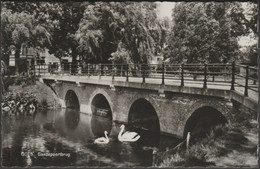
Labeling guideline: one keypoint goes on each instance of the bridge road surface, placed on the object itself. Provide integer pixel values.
(188, 82)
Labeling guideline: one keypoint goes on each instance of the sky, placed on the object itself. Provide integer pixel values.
(165, 9)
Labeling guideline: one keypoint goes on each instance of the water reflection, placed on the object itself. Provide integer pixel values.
(68, 131)
(99, 125)
(72, 117)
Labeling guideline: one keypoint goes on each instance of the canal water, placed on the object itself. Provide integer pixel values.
(65, 137)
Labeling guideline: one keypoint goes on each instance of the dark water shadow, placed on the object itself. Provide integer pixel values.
(99, 125)
(72, 118)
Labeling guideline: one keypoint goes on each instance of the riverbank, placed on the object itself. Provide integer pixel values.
(44, 96)
(233, 145)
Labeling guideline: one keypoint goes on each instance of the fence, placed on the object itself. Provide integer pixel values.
(233, 75)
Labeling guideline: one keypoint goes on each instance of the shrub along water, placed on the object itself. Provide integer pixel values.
(225, 146)
(22, 91)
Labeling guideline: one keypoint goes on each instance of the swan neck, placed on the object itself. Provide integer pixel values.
(106, 136)
(121, 131)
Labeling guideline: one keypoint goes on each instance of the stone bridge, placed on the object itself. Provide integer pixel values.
(163, 108)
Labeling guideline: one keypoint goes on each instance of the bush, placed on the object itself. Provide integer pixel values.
(44, 103)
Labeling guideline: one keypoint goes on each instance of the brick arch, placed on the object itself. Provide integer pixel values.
(71, 99)
(142, 116)
(147, 98)
(152, 102)
(220, 111)
(106, 95)
(209, 103)
(142, 98)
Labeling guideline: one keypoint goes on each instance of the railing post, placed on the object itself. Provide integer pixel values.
(143, 70)
(121, 70)
(44, 69)
(246, 85)
(88, 69)
(34, 71)
(182, 75)
(127, 67)
(163, 73)
(70, 68)
(39, 70)
(62, 68)
(78, 69)
(100, 70)
(59, 67)
(205, 76)
(113, 72)
(255, 76)
(233, 76)
(49, 68)
(104, 70)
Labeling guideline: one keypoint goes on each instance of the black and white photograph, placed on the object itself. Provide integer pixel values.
(129, 84)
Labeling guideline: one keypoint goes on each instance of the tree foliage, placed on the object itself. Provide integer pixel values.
(61, 20)
(250, 55)
(19, 26)
(127, 32)
(112, 30)
(206, 32)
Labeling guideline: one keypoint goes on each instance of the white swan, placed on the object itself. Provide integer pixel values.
(127, 136)
(102, 140)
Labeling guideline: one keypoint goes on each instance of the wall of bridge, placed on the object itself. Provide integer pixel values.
(173, 109)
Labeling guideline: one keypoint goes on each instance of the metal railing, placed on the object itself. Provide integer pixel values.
(233, 75)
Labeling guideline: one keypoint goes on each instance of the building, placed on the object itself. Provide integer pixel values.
(29, 57)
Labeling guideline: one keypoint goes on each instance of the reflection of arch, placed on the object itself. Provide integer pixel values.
(100, 106)
(143, 117)
(99, 125)
(71, 99)
(202, 121)
(72, 118)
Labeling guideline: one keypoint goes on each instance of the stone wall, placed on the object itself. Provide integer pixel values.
(173, 109)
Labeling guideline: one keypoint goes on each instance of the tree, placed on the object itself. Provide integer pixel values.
(98, 31)
(20, 27)
(251, 19)
(62, 20)
(250, 55)
(251, 23)
(112, 30)
(206, 32)
(140, 30)
(165, 26)
(3, 72)
(6, 35)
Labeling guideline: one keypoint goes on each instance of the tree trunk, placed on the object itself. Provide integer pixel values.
(2, 75)
(6, 59)
(17, 57)
(74, 59)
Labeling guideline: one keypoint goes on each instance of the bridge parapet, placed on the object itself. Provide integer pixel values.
(221, 91)
(236, 77)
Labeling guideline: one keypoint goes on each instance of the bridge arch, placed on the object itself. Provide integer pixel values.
(142, 116)
(204, 117)
(71, 100)
(101, 106)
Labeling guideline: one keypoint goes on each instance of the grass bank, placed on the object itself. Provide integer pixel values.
(232, 145)
(42, 93)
